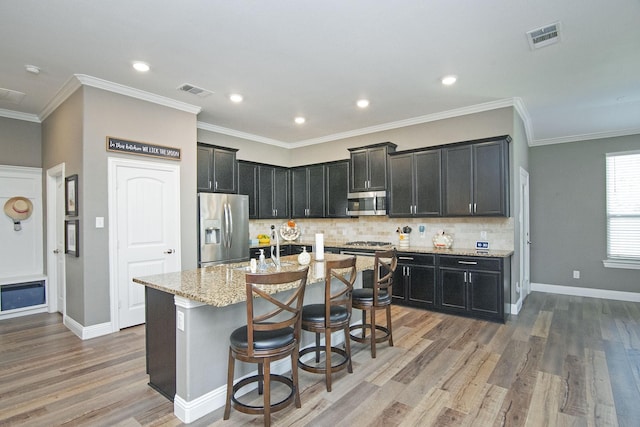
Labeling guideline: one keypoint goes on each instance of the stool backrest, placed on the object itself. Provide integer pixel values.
(384, 267)
(338, 292)
(280, 312)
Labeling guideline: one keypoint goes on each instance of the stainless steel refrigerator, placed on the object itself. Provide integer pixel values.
(224, 228)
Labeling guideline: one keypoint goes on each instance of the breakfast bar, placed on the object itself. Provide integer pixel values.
(196, 311)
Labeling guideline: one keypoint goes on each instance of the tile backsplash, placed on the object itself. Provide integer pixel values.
(465, 231)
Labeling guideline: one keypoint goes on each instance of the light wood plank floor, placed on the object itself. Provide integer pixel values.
(567, 361)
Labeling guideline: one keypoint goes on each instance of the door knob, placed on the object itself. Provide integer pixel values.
(56, 251)
(169, 251)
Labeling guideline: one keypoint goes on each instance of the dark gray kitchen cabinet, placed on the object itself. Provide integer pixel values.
(369, 167)
(474, 286)
(273, 192)
(415, 182)
(307, 191)
(414, 281)
(216, 169)
(476, 178)
(248, 185)
(337, 188)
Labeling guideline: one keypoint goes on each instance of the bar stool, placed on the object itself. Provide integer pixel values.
(333, 315)
(270, 335)
(376, 298)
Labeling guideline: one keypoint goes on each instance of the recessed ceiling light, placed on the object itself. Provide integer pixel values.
(33, 69)
(300, 120)
(143, 67)
(235, 97)
(449, 80)
(362, 103)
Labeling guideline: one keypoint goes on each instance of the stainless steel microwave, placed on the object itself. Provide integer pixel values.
(367, 203)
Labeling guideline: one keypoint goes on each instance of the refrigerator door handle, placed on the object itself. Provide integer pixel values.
(229, 226)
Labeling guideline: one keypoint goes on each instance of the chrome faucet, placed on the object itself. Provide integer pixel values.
(275, 257)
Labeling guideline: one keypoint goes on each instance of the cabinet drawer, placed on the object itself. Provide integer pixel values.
(473, 263)
(409, 258)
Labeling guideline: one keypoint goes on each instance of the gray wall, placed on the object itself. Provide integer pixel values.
(568, 215)
(20, 143)
(248, 150)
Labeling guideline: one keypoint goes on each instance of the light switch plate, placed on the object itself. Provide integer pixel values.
(99, 222)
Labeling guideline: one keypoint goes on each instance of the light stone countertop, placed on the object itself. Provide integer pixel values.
(412, 248)
(224, 285)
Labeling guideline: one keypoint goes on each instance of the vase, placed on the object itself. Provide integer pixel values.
(304, 258)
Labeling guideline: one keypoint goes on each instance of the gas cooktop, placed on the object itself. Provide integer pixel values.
(367, 243)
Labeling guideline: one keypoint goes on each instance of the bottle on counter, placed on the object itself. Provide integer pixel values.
(262, 264)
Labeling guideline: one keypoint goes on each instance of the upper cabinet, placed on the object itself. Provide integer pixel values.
(248, 185)
(369, 167)
(216, 169)
(307, 191)
(415, 184)
(273, 192)
(476, 178)
(337, 188)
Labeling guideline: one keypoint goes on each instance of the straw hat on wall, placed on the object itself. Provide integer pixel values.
(18, 208)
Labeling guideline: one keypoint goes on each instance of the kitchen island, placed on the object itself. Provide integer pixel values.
(197, 310)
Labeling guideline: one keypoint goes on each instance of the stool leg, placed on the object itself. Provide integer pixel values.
(260, 380)
(364, 322)
(347, 348)
(389, 325)
(294, 375)
(230, 368)
(373, 332)
(317, 347)
(267, 392)
(327, 357)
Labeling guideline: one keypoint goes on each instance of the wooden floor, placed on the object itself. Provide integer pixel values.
(564, 360)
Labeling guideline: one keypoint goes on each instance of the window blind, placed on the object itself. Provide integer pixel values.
(623, 205)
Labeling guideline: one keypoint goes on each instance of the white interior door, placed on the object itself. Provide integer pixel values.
(147, 230)
(61, 284)
(525, 238)
(56, 279)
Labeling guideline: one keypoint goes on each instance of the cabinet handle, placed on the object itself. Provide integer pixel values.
(469, 207)
(216, 185)
(468, 262)
(465, 277)
(409, 258)
(469, 277)
(475, 207)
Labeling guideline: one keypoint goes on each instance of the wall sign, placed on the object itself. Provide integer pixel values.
(142, 149)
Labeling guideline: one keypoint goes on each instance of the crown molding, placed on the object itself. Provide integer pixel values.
(585, 137)
(10, 114)
(521, 109)
(243, 135)
(78, 80)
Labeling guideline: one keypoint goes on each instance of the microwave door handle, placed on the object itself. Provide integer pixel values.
(375, 205)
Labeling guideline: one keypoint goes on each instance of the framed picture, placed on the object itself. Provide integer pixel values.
(71, 237)
(71, 195)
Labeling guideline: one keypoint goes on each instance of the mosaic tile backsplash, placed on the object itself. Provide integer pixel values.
(465, 231)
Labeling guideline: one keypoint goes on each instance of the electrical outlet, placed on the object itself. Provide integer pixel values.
(180, 324)
(576, 274)
(483, 234)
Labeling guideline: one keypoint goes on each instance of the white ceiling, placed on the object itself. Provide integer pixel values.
(317, 57)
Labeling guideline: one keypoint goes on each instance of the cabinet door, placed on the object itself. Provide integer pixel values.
(281, 192)
(315, 191)
(398, 290)
(204, 171)
(299, 195)
(490, 178)
(421, 285)
(453, 289)
(265, 191)
(337, 189)
(457, 180)
(248, 184)
(485, 293)
(359, 171)
(224, 171)
(377, 166)
(400, 185)
(428, 183)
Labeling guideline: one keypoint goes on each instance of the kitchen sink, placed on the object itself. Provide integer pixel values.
(270, 266)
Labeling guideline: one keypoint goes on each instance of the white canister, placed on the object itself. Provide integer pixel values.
(403, 240)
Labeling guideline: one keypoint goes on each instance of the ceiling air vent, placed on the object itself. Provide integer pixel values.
(11, 96)
(195, 90)
(544, 36)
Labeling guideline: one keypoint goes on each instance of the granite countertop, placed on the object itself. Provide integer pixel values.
(413, 249)
(224, 284)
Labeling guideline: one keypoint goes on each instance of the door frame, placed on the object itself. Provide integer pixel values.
(524, 230)
(53, 212)
(112, 164)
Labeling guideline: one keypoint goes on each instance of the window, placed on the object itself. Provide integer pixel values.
(623, 209)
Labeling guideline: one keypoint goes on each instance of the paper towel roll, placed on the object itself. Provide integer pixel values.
(319, 247)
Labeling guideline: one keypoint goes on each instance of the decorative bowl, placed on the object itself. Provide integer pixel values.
(289, 233)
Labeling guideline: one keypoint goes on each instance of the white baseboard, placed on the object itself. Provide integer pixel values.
(586, 292)
(515, 308)
(87, 332)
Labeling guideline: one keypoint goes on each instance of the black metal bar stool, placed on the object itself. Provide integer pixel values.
(333, 315)
(270, 335)
(376, 298)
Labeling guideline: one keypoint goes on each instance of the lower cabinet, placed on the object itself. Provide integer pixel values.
(475, 286)
(414, 282)
(478, 287)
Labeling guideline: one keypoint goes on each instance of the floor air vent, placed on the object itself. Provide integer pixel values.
(195, 90)
(544, 36)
